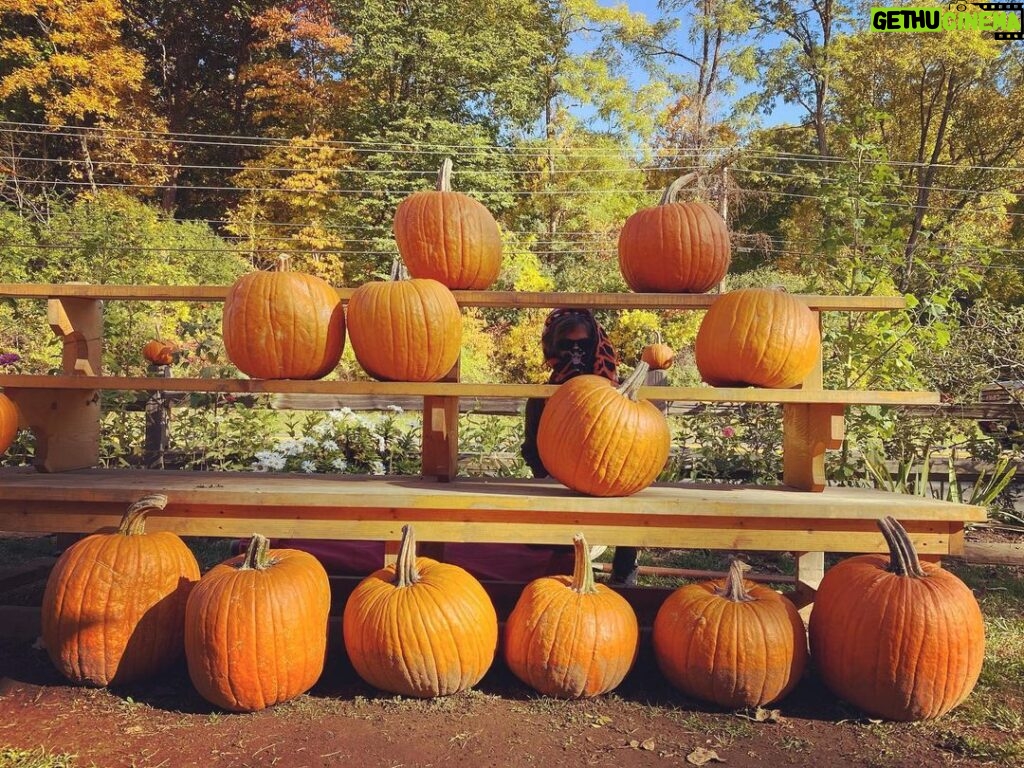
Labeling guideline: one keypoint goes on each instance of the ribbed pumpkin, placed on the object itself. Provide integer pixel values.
(569, 637)
(448, 236)
(158, 352)
(898, 638)
(420, 628)
(674, 247)
(599, 440)
(283, 325)
(9, 416)
(658, 356)
(757, 336)
(114, 607)
(733, 643)
(405, 330)
(256, 627)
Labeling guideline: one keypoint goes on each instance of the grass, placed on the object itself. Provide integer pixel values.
(35, 758)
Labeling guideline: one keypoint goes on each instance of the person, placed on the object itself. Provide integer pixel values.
(574, 343)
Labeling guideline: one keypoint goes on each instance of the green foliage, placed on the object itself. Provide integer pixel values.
(729, 445)
(489, 446)
(40, 757)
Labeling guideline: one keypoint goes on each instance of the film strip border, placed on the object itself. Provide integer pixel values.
(1017, 7)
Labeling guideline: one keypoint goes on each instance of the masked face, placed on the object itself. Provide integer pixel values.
(571, 344)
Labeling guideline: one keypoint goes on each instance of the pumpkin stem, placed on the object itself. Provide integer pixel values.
(671, 194)
(583, 568)
(256, 554)
(284, 262)
(399, 270)
(734, 589)
(444, 176)
(405, 568)
(134, 521)
(629, 387)
(903, 559)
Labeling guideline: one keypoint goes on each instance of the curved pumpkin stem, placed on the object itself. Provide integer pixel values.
(734, 589)
(629, 387)
(399, 270)
(134, 521)
(257, 554)
(671, 194)
(284, 263)
(405, 569)
(444, 176)
(903, 559)
(583, 568)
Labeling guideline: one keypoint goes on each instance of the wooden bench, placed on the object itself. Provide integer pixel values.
(66, 493)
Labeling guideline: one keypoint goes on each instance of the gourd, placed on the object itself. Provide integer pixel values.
(256, 627)
(420, 628)
(757, 336)
(159, 352)
(448, 236)
(618, 444)
(283, 325)
(732, 643)
(569, 637)
(114, 606)
(674, 247)
(658, 355)
(898, 638)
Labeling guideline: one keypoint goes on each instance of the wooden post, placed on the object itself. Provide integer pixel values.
(810, 570)
(440, 450)
(158, 413)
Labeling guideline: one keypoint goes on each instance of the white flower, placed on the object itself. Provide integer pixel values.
(308, 441)
(258, 467)
(329, 445)
(340, 415)
(377, 467)
(381, 445)
(396, 408)
(340, 464)
(308, 467)
(270, 460)
(290, 447)
(322, 428)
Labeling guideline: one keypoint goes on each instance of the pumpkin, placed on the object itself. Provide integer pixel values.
(895, 637)
(618, 444)
(569, 637)
(405, 330)
(419, 627)
(256, 627)
(674, 247)
(283, 325)
(113, 611)
(9, 417)
(448, 236)
(730, 642)
(159, 352)
(757, 336)
(658, 356)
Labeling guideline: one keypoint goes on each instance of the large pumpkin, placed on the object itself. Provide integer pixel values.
(256, 627)
(673, 246)
(405, 330)
(420, 628)
(448, 236)
(114, 607)
(757, 336)
(283, 325)
(569, 637)
(600, 440)
(898, 638)
(8, 422)
(733, 643)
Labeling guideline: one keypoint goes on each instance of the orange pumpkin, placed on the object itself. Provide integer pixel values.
(569, 637)
(674, 247)
(658, 356)
(9, 417)
(256, 627)
(114, 607)
(420, 627)
(757, 336)
(405, 330)
(733, 643)
(898, 638)
(283, 325)
(159, 352)
(448, 236)
(618, 444)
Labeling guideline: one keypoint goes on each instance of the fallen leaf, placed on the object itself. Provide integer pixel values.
(647, 744)
(762, 715)
(634, 743)
(701, 756)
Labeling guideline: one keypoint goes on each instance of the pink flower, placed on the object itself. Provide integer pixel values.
(728, 432)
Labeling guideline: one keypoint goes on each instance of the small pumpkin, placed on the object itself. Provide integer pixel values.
(757, 336)
(674, 247)
(256, 627)
(733, 643)
(659, 356)
(419, 627)
(113, 611)
(283, 325)
(619, 444)
(159, 352)
(898, 638)
(405, 330)
(569, 637)
(9, 418)
(448, 236)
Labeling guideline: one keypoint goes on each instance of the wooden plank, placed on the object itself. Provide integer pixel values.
(65, 423)
(994, 553)
(515, 299)
(462, 389)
